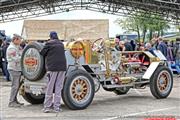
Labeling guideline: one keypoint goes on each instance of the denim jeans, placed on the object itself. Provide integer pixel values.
(178, 65)
(5, 70)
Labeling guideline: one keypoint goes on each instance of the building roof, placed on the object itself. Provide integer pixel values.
(20, 9)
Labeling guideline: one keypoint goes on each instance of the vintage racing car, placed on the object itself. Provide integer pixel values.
(115, 71)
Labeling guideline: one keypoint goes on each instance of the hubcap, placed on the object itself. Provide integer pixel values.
(31, 62)
(80, 89)
(164, 81)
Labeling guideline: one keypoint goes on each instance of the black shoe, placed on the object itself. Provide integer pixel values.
(14, 104)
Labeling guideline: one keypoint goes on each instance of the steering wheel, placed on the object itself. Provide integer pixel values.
(97, 45)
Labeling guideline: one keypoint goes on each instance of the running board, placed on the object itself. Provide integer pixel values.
(126, 85)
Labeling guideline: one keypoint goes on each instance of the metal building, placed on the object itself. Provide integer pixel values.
(66, 29)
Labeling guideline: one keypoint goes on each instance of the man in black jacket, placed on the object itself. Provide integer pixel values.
(55, 61)
(128, 46)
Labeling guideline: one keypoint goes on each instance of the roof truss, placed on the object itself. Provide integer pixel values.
(21, 9)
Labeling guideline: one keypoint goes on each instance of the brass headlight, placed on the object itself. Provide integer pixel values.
(76, 49)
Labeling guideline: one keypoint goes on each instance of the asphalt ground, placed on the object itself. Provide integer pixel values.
(135, 105)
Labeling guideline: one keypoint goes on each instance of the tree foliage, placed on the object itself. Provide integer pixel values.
(130, 25)
(144, 23)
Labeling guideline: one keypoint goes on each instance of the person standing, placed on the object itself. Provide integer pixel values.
(13, 55)
(116, 40)
(177, 55)
(1, 56)
(121, 46)
(55, 61)
(148, 47)
(127, 45)
(169, 52)
(4, 59)
(154, 41)
(133, 44)
(162, 46)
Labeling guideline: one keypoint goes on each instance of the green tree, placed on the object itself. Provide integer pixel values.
(130, 24)
(143, 23)
(157, 24)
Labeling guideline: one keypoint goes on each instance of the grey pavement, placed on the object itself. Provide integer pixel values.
(136, 105)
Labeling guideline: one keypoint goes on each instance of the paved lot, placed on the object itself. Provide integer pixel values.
(136, 105)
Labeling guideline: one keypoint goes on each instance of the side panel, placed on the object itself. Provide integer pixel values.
(150, 70)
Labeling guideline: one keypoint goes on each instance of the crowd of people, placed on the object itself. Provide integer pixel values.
(170, 50)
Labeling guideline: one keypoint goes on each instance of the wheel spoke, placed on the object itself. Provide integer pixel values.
(79, 89)
(163, 81)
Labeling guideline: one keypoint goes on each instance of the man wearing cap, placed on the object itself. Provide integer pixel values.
(55, 61)
(13, 55)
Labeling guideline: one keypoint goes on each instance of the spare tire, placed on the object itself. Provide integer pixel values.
(32, 62)
(33, 99)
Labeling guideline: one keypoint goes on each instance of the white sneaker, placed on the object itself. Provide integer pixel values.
(46, 110)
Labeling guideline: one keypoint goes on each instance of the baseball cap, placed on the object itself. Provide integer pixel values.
(53, 35)
(15, 36)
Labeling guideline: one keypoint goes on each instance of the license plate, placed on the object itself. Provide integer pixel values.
(36, 89)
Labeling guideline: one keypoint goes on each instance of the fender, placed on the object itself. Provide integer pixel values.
(151, 69)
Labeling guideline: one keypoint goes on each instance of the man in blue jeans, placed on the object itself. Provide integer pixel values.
(55, 61)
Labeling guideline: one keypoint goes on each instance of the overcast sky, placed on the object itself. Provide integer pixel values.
(16, 26)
